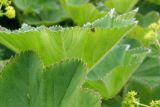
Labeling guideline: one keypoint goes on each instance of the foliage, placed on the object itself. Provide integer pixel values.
(62, 44)
(94, 56)
(130, 100)
(54, 11)
(29, 84)
(147, 79)
(121, 5)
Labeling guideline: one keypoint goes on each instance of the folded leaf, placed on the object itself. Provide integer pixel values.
(110, 75)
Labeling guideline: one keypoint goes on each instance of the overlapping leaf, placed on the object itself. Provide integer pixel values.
(24, 83)
(54, 44)
(110, 75)
(38, 12)
(92, 43)
(148, 19)
(53, 11)
(146, 79)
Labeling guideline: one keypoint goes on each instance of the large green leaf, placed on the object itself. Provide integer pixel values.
(62, 86)
(146, 80)
(90, 43)
(20, 81)
(53, 46)
(24, 83)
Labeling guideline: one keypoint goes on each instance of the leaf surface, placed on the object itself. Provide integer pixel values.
(25, 83)
(146, 80)
(109, 76)
(37, 12)
(92, 43)
(78, 8)
(121, 5)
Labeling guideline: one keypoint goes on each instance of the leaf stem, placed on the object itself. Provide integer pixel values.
(140, 104)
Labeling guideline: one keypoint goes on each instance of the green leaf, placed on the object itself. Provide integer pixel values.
(3, 63)
(130, 41)
(36, 12)
(154, 1)
(88, 98)
(149, 18)
(24, 83)
(121, 5)
(20, 81)
(146, 80)
(109, 75)
(139, 33)
(114, 102)
(78, 8)
(66, 80)
(108, 62)
(91, 44)
(113, 20)
(55, 43)
(53, 46)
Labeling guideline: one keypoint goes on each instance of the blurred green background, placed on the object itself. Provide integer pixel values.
(70, 12)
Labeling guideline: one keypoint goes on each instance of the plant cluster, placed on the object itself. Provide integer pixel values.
(108, 58)
(9, 10)
(130, 100)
